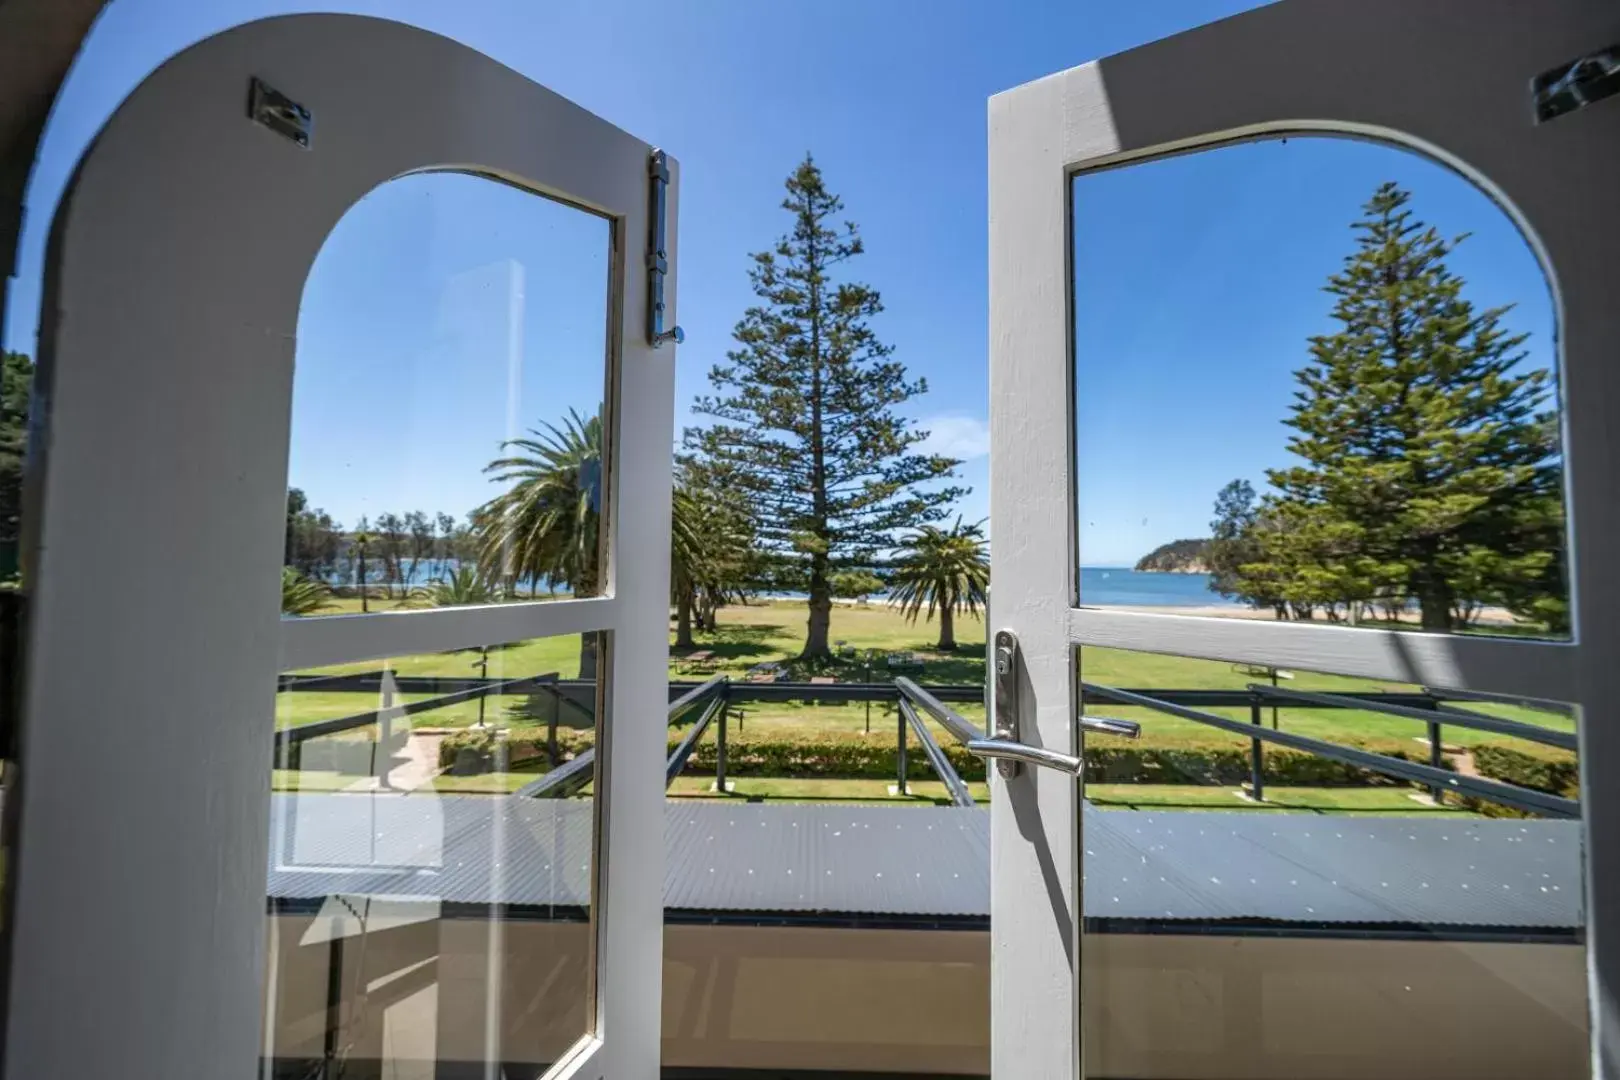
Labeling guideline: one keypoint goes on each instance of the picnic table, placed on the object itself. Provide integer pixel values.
(903, 662)
(703, 659)
(765, 672)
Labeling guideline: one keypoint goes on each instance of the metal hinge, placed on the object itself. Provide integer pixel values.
(1576, 84)
(657, 254)
(280, 113)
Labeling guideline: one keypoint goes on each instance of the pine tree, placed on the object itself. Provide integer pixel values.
(1430, 460)
(803, 413)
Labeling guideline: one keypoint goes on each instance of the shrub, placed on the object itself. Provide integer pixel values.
(1559, 776)
(488, 750)
(853, 757)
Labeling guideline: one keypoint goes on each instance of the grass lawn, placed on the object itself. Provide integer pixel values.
(1385, 802)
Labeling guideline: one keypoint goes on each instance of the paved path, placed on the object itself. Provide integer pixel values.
(414, 766)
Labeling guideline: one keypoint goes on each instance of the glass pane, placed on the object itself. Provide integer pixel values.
(1261, 909)
(446, 430)
(431, 862)
(827, 892)
(1315, 379)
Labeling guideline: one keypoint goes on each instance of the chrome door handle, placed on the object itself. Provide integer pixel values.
(1009, 750)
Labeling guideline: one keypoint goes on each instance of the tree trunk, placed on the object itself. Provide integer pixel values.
(815, 642)
(947, 629)
(816, 637)
(683, 622)
(1434, 601)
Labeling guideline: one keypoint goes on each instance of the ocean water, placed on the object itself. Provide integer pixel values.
(1110, 586)
(1104, 586)
(1100, 586)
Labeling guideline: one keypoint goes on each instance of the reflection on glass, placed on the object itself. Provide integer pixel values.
(1303, 393)
(16, 387)
(1257, 909)
(430, 874)
(447, 408)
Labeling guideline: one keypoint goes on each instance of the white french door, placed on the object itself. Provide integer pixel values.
(1452, 81)
(146, 941)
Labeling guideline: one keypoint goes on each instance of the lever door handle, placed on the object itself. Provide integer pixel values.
(1013, 750)
(1008, 751)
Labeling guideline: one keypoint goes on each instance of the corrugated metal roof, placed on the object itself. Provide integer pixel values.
(867, 859)
(917, 861)
(1333, 869)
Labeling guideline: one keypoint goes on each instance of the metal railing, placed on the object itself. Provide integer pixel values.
(713, 695)
(288, 739)
(716, 695)
(1527, 799)
(1428, 707)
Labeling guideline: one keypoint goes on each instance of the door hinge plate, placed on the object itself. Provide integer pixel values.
(280, 113)
(1575, 85)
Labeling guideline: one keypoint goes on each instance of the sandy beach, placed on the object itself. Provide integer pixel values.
(1493, 616)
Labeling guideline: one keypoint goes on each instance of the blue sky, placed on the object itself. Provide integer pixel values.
(446, 313)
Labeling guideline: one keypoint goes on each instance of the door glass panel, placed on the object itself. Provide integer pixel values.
(1315, 379)
(431, 862)
(828, 874)
(1259, 909)
(446, 429)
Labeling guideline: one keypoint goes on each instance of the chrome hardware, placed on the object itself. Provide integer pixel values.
(280, 113)
(1576, 84)
(1111, 725)
(1006, 709)
(1011, 756)
(657, 255)
(1011, 752)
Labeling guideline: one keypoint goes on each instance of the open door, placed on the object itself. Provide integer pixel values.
(1513, 100)
(239, 850)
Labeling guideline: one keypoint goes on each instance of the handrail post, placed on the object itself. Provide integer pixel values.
(1436, 759)
(720, 752)
(1256, 754)
(551, 728)
(900, 753)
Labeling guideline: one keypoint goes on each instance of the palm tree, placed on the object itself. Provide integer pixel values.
(301, 595)
(463, 587)
(362, 537)
(945, 569)
(547, 523)
(710, 543)
(685, 561)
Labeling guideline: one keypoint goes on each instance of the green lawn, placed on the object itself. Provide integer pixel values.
(1390, 801)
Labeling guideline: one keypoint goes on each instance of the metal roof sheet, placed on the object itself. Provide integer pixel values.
(934, 861)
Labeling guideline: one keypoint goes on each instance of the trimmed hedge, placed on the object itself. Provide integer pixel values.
(836, 756)
(851, 758)
(1556, 777)
(477, 751)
